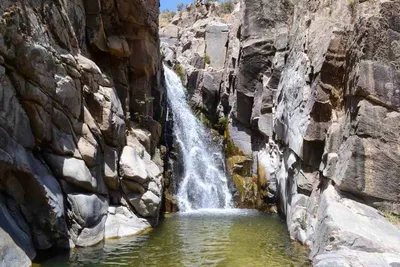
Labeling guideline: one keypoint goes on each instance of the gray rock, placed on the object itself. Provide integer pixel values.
(378, 82)
(111, 167)
(147, 204)
(88, 146)
(210, 90)
(241, 137)
(13, 118)
(118, 46)
(344, 223)
(17, 244)
(331, 162)
(107, 111)
(132, 166)
(346, 258)
(216, 39)
(11, 253)
(368, 167)
(152, 169)
(63, 144)
(169, 31)
(129, 187)
(43, 201)
(88, 213)
(72, 170)
(122, 222)
(266, 124)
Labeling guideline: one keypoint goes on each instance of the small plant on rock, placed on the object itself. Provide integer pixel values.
(352, 6)
(179, 7)
(207, 59)
(227, 7)
(180, 72)
(221, 125)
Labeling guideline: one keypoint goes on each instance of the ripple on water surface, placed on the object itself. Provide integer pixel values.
(207, 237)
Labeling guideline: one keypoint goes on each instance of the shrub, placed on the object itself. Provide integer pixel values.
(179, 7)
(207, 59)
(221, 125)
(352, 6)
(166, 17)
(227, 7)
(179, 70)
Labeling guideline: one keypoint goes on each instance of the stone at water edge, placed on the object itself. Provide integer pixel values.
(121, 222)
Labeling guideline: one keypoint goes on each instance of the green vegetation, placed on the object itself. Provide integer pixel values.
(230, 148)
(391, 217)
(206, 122)
(166, 17)
(181, 73)
(221, 125)
(180, 6)
(227, 7)
(207, 59)
(137, 116)
(352, 6)
(169, 14)
(303, 221)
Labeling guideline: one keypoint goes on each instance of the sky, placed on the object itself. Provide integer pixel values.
(171, 4)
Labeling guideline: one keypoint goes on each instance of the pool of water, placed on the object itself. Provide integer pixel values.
(201, 238)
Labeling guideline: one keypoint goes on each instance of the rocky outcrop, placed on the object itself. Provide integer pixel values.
(80, 86)
(305, 89)
(311, 93)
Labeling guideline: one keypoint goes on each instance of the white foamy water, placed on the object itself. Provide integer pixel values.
(204, 182)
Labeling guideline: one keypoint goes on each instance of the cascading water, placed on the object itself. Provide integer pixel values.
(204, 183)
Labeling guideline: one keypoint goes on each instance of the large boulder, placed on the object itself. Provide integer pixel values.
(16, 245)
(132, 167)
(210, 90)
(88, 214)
(216, 40)
(122, 222)
(368, 167)
(73, 171)
(347, 224)
(11, 253)
(170, 31)
(107, 111)
(147, 204)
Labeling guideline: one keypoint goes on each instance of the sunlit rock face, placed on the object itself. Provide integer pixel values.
(310, 92)
(80, 86)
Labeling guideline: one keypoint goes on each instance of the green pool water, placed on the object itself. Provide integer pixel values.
(201, 238)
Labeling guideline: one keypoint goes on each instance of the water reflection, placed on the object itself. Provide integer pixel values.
(201, 238)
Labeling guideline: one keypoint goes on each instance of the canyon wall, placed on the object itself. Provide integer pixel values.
(306, 94)
(81, 115)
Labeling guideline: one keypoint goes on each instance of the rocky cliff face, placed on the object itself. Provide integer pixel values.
(311, 91)
(81, 104)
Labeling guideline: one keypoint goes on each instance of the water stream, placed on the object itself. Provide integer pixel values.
(204, 183)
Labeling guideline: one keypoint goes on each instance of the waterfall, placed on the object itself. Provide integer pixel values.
(204, 182)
